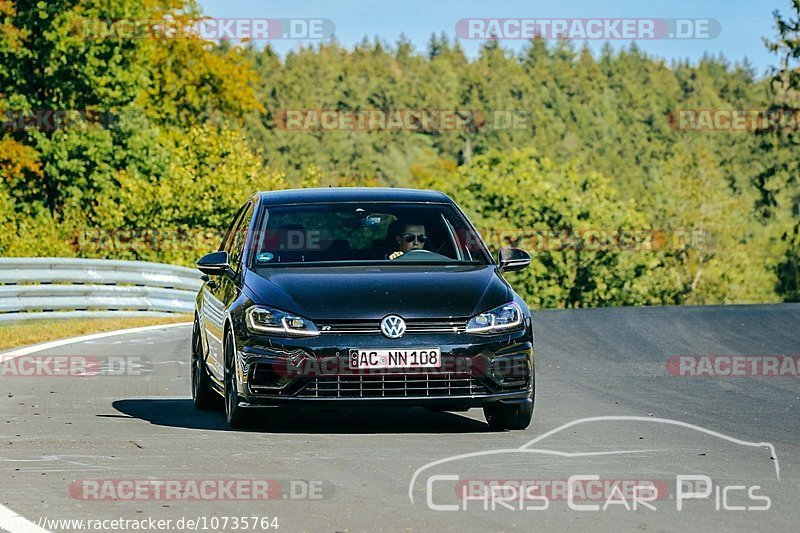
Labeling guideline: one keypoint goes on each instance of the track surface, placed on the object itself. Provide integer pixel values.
(602, 362)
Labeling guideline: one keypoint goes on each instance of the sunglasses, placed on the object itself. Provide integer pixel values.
(410, 237)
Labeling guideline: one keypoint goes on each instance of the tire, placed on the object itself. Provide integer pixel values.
(504, 416)
(203, 395)
(234, 414)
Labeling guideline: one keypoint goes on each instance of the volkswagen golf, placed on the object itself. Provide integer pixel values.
(359, 296)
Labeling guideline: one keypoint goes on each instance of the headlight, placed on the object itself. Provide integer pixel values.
(277, 322)
(503, 318)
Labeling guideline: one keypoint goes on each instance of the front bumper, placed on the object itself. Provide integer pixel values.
(475, 370)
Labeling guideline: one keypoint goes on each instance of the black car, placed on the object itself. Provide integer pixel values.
(359, 296)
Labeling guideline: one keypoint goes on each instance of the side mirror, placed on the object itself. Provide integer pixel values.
(512, 259)
(214, 264)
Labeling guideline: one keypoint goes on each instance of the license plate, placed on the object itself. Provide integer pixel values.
(410, 358)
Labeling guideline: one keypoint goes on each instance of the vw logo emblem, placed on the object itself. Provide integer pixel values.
(393, 326)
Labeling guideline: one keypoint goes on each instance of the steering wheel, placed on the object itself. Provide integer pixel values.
(418, 253)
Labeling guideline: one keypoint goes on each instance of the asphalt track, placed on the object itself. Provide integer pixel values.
(361, 463)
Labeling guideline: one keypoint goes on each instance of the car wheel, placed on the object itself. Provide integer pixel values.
(236, 415)
(503, 416)
(203, 395)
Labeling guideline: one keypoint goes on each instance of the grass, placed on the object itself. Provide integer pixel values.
(14, 335)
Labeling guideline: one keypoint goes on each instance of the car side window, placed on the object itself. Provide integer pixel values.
(239, 238)
(452, 240)
(227, 240)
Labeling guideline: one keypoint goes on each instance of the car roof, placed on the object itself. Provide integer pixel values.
(351, 194)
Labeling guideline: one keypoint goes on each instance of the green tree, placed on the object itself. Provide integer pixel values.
(569, 220)
(158, 96)
(779, 182)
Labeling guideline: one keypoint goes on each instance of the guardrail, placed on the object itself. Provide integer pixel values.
(34, 288)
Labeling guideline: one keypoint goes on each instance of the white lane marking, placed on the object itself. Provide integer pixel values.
(63, 342)
(14, 523)
(148, 340)
(9, 520)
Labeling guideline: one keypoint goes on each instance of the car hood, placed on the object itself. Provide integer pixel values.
(411, 291)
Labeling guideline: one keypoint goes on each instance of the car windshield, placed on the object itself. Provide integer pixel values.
(365, 232)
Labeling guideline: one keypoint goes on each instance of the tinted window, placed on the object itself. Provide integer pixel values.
(227, 240)
(239, 238)
(365, 232)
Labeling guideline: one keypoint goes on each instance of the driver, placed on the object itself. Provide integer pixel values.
(408, 236)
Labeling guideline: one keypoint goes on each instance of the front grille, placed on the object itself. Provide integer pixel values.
(438, 385)
(454, 325)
